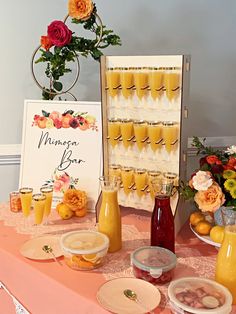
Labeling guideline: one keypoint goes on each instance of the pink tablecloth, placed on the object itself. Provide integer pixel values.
(45, 287)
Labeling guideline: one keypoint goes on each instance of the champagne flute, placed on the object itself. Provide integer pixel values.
(126, 81)
(156, 82)
(141, 82)
(152, 175)
(39, 201)
(172, 83)
(113, 81)
(154, 132)
(115, 171)
(140, 133)
(114, 134)
(170, 136)
(127, 177)
(127, 133)
(47, 191)
(26, 201)
(140, 180)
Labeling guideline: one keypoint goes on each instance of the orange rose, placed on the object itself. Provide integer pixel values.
(46, 42)
(211, 199)
(75, 199)
(80, 9)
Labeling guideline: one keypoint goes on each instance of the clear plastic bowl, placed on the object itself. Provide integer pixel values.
(153, 264)
(199, 296)
(84, 249)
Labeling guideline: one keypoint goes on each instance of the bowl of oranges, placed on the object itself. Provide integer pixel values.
(204, 228)
(84, 249)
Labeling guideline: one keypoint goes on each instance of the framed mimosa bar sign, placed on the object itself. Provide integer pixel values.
(144, 102)
(62, 146)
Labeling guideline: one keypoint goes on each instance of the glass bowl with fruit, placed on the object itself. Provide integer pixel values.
(199, 296)
(84, 249)
(153, 264)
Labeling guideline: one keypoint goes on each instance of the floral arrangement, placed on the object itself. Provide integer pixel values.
(61, 45)
(214, 183)
(68, 119)
(61, 181)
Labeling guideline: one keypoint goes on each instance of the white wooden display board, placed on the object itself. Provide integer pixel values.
(62, 146)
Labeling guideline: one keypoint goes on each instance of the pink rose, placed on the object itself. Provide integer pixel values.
(60, 186)
(55, 115)
(211, 199)
(59, 34)
(202, 180)
(65, 178)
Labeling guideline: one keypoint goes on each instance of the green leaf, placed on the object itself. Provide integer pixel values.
(45, 113)
(69, 112)
(58, 86)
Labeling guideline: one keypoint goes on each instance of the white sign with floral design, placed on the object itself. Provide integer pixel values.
(62, 146)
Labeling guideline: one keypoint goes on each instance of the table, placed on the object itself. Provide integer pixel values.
(46, 287)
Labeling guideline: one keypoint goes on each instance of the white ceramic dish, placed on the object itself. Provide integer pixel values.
(33, 248)
(205, 239)
(111, 296)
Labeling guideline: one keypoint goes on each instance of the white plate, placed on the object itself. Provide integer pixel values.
(33, 248)
(206, 239)
(111, 296)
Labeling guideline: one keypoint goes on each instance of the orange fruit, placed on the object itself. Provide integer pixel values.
(203, 228)
(196, 217)
(81, 263)
(81, 213)
(64, 211)
(217, 234)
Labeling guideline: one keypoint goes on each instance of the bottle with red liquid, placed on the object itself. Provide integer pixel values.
(162, 223)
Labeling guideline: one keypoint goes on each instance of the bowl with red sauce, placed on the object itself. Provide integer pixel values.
(153, 264)
(199, 296)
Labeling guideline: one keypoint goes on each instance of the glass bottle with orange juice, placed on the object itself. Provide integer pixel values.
(109, 220)
(226, 261)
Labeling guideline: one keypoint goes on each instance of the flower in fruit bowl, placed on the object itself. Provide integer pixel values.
(61, 45)
(214, 183)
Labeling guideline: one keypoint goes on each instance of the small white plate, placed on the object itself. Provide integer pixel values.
(111, 296)
(205, 239)
(33, 248)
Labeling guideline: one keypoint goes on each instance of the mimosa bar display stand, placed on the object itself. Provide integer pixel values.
(145, 107)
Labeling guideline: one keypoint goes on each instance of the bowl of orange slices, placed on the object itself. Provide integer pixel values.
(84, 249)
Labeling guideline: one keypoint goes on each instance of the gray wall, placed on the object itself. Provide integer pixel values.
(203, 28)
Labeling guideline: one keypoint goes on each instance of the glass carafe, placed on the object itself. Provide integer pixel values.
(162, 223)
(109, 220)
(226, 261)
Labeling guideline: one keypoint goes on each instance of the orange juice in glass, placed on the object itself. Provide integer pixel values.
(172, 83)
(26, 200)
(170, 135)
(152, 175)
(109, 220)
(127, 177)
(140, 133)
(141, 81)
(226, 261)
(115, 171)
(140, 180)
(39, 201)
(126, 81)
(127, 132)
(47, 191)
(156, 82)
(113, 81)
(154, 131)
(113, 131)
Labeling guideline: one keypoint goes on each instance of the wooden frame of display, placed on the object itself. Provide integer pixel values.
(157, 62)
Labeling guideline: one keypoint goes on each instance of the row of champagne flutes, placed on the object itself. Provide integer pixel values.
(139, 132)
(40, 202)
(136, 182)
(144, 80)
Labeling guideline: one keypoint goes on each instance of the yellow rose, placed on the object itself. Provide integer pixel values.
(211, 199)
(80, 9)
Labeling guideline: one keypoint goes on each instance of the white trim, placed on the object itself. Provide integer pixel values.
(10, 154)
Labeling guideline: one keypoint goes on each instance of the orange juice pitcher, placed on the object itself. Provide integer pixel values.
(109, 220)
(226, 261)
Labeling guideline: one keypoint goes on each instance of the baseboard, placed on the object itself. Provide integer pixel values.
(10, 154)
